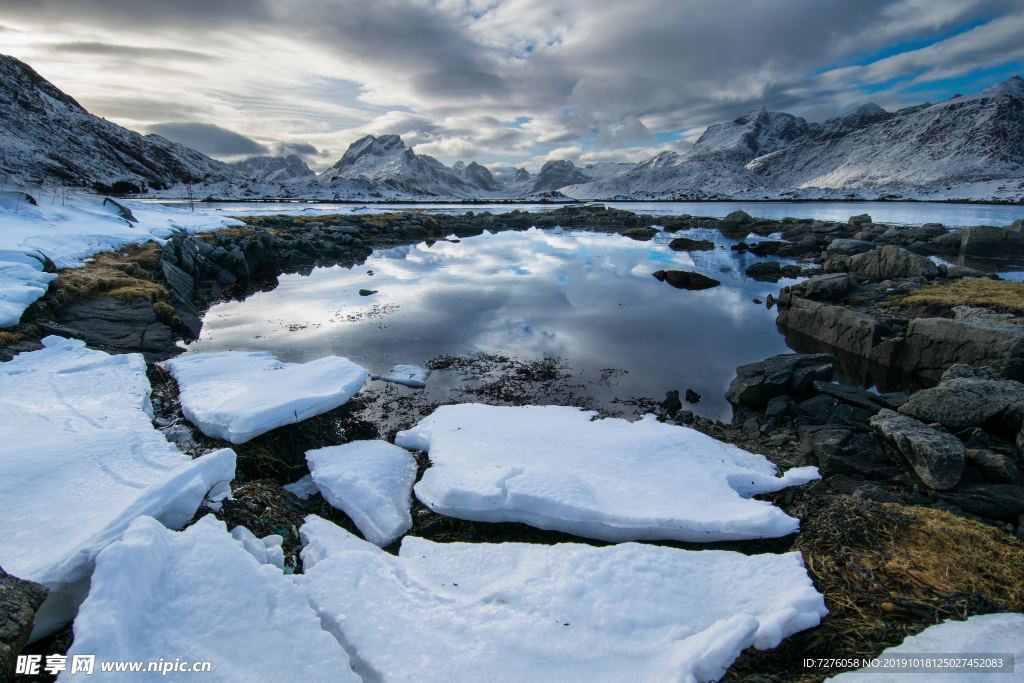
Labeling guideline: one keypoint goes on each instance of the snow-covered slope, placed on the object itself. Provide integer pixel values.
(46, 136)
(964, 148)
(267, 176)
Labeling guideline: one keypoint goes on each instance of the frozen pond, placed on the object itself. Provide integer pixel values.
(586, 298)
(906, 213)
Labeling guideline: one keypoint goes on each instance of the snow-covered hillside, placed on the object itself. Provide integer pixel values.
(964, 148)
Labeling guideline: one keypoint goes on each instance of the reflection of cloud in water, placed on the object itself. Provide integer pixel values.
(586, 297)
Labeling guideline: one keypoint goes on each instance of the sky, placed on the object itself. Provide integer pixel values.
(502, 82)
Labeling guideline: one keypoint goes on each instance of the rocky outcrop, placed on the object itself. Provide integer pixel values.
(788, 374)
(19, 600)
(825, 287)
(890, 262)
(836, 326)
(937, 457)
(933, 344)
(684, 279)
(687, 244)
(847, 247)
(840, 450)
(990, 242)
(771, 271)
(962, 402)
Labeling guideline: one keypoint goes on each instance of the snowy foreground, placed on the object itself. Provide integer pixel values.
(236, 396)
(80, 460)
(979, 636)
(371, 482)
(523, 612)
(199, 595)
(68, 230)
(558, 468)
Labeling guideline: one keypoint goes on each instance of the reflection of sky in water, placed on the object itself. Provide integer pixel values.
(905, 213)
(588, 298)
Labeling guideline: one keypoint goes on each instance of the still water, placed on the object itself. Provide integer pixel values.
(586, 298)
(904, 213)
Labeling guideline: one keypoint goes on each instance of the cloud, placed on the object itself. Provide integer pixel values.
(504, 80)
(209, 139)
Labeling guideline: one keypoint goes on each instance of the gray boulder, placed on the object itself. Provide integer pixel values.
(995, 467)
(964, 402)
(738, 218)
(991, 242)
(793, 374)
(838, 326)
(862, 219)
(847, 247)
(840, 450)
(19, 600)
(825, 287)
(889, 262)
(933, 344)
(684, 279)
(1017, 225)
(687, 244)
(937, 457)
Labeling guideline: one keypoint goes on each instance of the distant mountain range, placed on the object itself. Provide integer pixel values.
(968, 147)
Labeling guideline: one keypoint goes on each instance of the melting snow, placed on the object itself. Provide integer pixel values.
(80, 460)
(198, 595)
(522, 612)
(409, 375)
(558, 468)
(236, 396)
(371, 481)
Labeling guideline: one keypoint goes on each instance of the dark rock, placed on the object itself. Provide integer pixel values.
(19, 600)
(840, 450)
(837, 326)
(862, 219)
(692, 396)
(640, 234)
(765, 271)
(847, 247)
(995, 501)
(824, 409)
(995, 467)
(115, 326)
(889, 262)
(964, 402)
(684, 279)
(672, 404)
(990, 242)
(855, 396)
(740, 246)
(686, 244)
(933, 344)
(120, 209)
(1017, 226)
(825, 287)
(367, 292)
(738, 218)
(769, 248)
(937, 457)
(777, 407)
(757, 383)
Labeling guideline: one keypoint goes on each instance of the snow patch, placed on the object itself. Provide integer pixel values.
(236, 396)
(409, 375)
(558, 468)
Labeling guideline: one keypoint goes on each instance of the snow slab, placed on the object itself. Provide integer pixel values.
(238, 395)
(371, 482)
(199, 596)
(988, 633)
(70, 228)
(556, 467)
(566, 612)
(303, 488)
(80, 460)
(409, 375)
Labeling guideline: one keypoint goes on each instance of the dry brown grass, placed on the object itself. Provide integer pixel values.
(7, 338)
(888, 571)
(999, 295)
(118, 275)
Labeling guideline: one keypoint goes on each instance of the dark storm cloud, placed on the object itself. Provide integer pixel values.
(303, 149)
(129, 51)
(208, 139)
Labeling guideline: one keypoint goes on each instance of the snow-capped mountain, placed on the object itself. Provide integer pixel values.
(46, 136)
(386, 162)
(964, 148)
(478, 176)
(556, 174)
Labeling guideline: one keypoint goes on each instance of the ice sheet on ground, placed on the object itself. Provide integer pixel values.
(409, 375)
(981, 636)
(198, 595)
(302, 488)
(567, 612)
(237, 395)
(371, 482)
(557, 468)
(71, 228)
(80, 460)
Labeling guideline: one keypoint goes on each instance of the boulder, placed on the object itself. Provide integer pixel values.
(765, 271)
(114, 325)
(19, 600)
(995, 501)
(933, 344)
(991, 242)
(854, 396)
(687, 244)
(847, 247)
(794, 374)
(837, 326)
(964, 402)
(738, 218)
(862, 219)
(937, 457)
(889, 262)
(120, 210)
(998, 468)
(825, 287)
(840, 450)
(1017, 225)
(684, 279)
